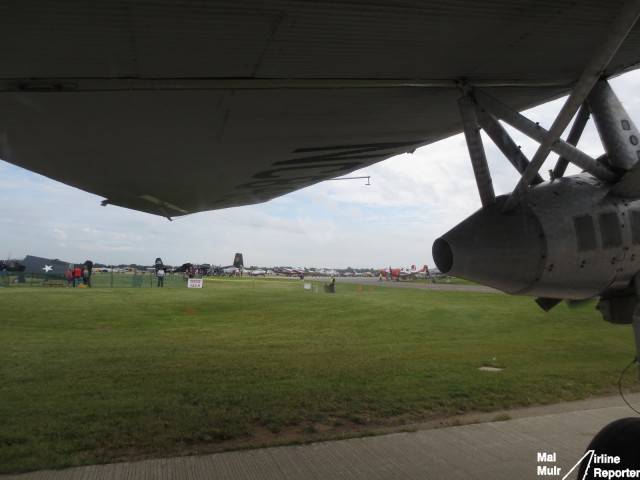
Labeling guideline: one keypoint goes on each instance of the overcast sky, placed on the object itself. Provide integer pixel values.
(411, 201)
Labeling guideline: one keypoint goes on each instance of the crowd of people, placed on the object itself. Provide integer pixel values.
(79, 275)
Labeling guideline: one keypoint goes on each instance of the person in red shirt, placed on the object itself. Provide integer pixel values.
(77, 276)
(69, 276)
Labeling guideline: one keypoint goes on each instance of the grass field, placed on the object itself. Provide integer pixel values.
(101, 375)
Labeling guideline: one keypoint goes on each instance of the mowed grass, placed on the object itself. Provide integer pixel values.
(101, 375)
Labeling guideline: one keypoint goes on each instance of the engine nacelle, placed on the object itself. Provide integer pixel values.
(567, 239)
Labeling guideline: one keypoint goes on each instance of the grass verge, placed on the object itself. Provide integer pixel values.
(101, 375)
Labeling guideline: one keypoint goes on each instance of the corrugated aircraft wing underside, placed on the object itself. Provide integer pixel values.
(174, 107)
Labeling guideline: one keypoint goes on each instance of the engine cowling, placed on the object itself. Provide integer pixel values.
(567, 239)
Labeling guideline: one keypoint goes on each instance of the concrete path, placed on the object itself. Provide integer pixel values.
(374, 282)
(520, 449)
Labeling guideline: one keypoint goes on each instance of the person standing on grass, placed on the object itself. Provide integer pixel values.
(160, 277)
(69, 275)
(86, 276)
(77, 276)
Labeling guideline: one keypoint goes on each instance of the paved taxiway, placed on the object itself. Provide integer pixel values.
(496, 450)
(375, 282)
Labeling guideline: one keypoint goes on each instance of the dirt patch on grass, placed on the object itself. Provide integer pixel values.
(262, 437)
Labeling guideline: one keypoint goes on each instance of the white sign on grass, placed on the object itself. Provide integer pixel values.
(194, 283)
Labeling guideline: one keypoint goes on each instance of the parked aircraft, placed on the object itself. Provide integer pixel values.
(401, 273)
(293, 271)
(422, 273)
(11, 266)
(185, 267)
(325, 271)
(44, 266)
(158, 265)
(299, 101)
(230, 270)
(434, 273)
(41, 267)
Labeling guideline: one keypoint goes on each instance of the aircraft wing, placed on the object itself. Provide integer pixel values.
(176, 107)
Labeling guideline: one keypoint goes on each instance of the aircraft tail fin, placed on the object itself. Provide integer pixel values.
(238, 262)
(158, 264)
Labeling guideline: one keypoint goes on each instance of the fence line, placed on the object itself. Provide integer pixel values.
(97, 280)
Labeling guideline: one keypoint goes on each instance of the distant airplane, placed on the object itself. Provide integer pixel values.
(41, 267)
(325, 271)
(402, 274)
(293, 271)
(422, 273)
(434, 273)
(185, 267)
(158, 265)
(51, 268)
(11, 266)
(389, 273)
(231, 270)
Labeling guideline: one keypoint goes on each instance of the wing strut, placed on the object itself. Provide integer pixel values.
(505, 143)
(535, 131)
(574, 135)
(620, 28)
(476, 151)
(479, 109)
